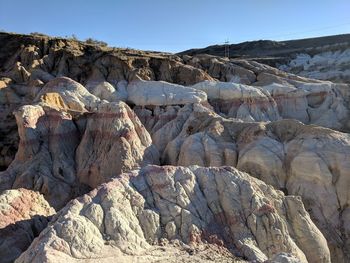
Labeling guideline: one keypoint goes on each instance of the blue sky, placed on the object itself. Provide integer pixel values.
(176, 25)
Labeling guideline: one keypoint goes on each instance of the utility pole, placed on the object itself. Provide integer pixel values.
(227, 49)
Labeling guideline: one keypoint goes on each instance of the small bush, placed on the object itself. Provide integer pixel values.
(96, 42)
(38, 34)
(74, 37)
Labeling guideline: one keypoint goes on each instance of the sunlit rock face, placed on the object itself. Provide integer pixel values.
(331, 65)
(70, 138)
(160, 93)
(78, 118)
(309, 161)
(27, 63)
(274, 98)
(221, 206)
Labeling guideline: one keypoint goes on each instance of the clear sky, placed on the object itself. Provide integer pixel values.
(176, 25)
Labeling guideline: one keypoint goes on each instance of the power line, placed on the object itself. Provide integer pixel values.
(227, 48)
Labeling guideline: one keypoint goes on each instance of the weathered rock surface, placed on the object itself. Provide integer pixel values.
(70, 138)
(157, 93)
(129, 217)
(9, 101)
(222, 69)
(107, 91)
(23, 215)
(309, 161)
(326, 65)
(27, 63)
(321, 103)
(77, 133)
(240, 101)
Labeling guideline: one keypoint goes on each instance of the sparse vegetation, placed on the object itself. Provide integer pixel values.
(38, 34)
(74, 37)
(96, 42)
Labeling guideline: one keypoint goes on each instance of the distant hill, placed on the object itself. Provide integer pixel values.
(326, 58)
(273, 49)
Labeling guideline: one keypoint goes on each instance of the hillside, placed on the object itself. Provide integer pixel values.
(111, 154)
(326, 58)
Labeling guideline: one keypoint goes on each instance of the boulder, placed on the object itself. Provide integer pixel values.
(106, 91)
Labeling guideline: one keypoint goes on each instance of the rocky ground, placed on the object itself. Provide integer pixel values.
(155, 157)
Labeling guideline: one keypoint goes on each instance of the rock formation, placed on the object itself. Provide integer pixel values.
(309, 161)
(326, 65)
(86, 115)
(160, 93)
(128, 217)
(69, 138)
(23, 215)
(27, 63)
(323, 103)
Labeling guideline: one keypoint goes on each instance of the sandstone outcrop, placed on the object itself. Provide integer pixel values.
(274, 98)
(85, 115)
(27, 63)
(326, 65)
(158, 93)
(23, 215)
(69, 138)
(240, 101)
(221, 69)
(130, 216)
(309, 161)
(9, 101)
(107, 91)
